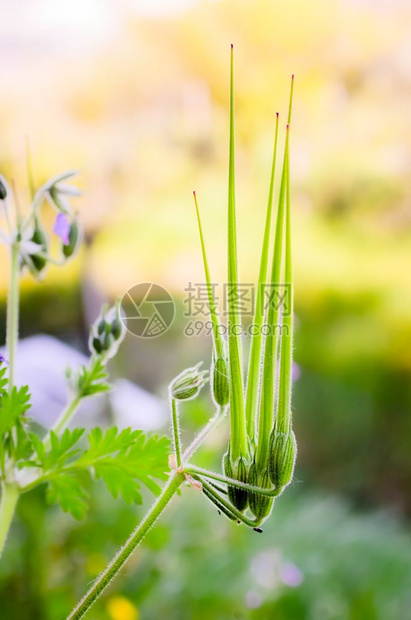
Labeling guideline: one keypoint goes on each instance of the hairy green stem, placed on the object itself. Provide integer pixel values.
(176, 431)
(10, 492)
(63, 420)
(203, 434)
(13, 312)
(9, 497)
(199, 472)
(105, 578)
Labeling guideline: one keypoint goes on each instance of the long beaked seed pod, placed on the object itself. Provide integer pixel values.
(281, 458)
(260, 505)
(238, 497)
(220, 386)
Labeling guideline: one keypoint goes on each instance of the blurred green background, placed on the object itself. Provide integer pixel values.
(135, 95)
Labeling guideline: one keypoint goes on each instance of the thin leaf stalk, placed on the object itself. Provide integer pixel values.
(119, 560)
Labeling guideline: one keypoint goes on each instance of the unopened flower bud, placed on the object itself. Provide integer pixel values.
(40, 238)
(3, 191)
(238, 471)
(187, 385)
(107, 332)
(220, 382)
(282, 455)
(74, 239)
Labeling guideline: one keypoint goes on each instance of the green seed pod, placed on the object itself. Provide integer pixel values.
(3, 191)
(260, 505)
(40, 238)
(281, 460)
(238, 497)
(74, 239)
(220, 383)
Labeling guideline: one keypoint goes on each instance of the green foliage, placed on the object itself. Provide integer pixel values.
(90, 380)
(69, 492)
(13, 406)
(3, 381)
(122, 459)
(60, 451)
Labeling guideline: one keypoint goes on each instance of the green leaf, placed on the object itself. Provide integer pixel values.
(3, 381)
(103, 444)
(13, 406)
(125, 459)
(60, 448)
(93, 380)
(68, 490)
(24, 446)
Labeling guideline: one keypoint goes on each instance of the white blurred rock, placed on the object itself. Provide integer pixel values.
(41, 362)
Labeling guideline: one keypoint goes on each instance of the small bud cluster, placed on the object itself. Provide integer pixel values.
(30, 233)
(107, 332)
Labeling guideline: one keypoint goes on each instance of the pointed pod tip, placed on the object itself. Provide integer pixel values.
(232, 46)
(277, 114)
(194, 193)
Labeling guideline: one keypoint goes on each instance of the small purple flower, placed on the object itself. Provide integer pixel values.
(62, 228)
(3, 360)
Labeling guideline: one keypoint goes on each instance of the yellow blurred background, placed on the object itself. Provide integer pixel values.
(134, 94)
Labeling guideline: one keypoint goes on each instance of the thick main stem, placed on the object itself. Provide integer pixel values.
(13, 312)
(9, 498)
(105, 578)
(10, 492)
